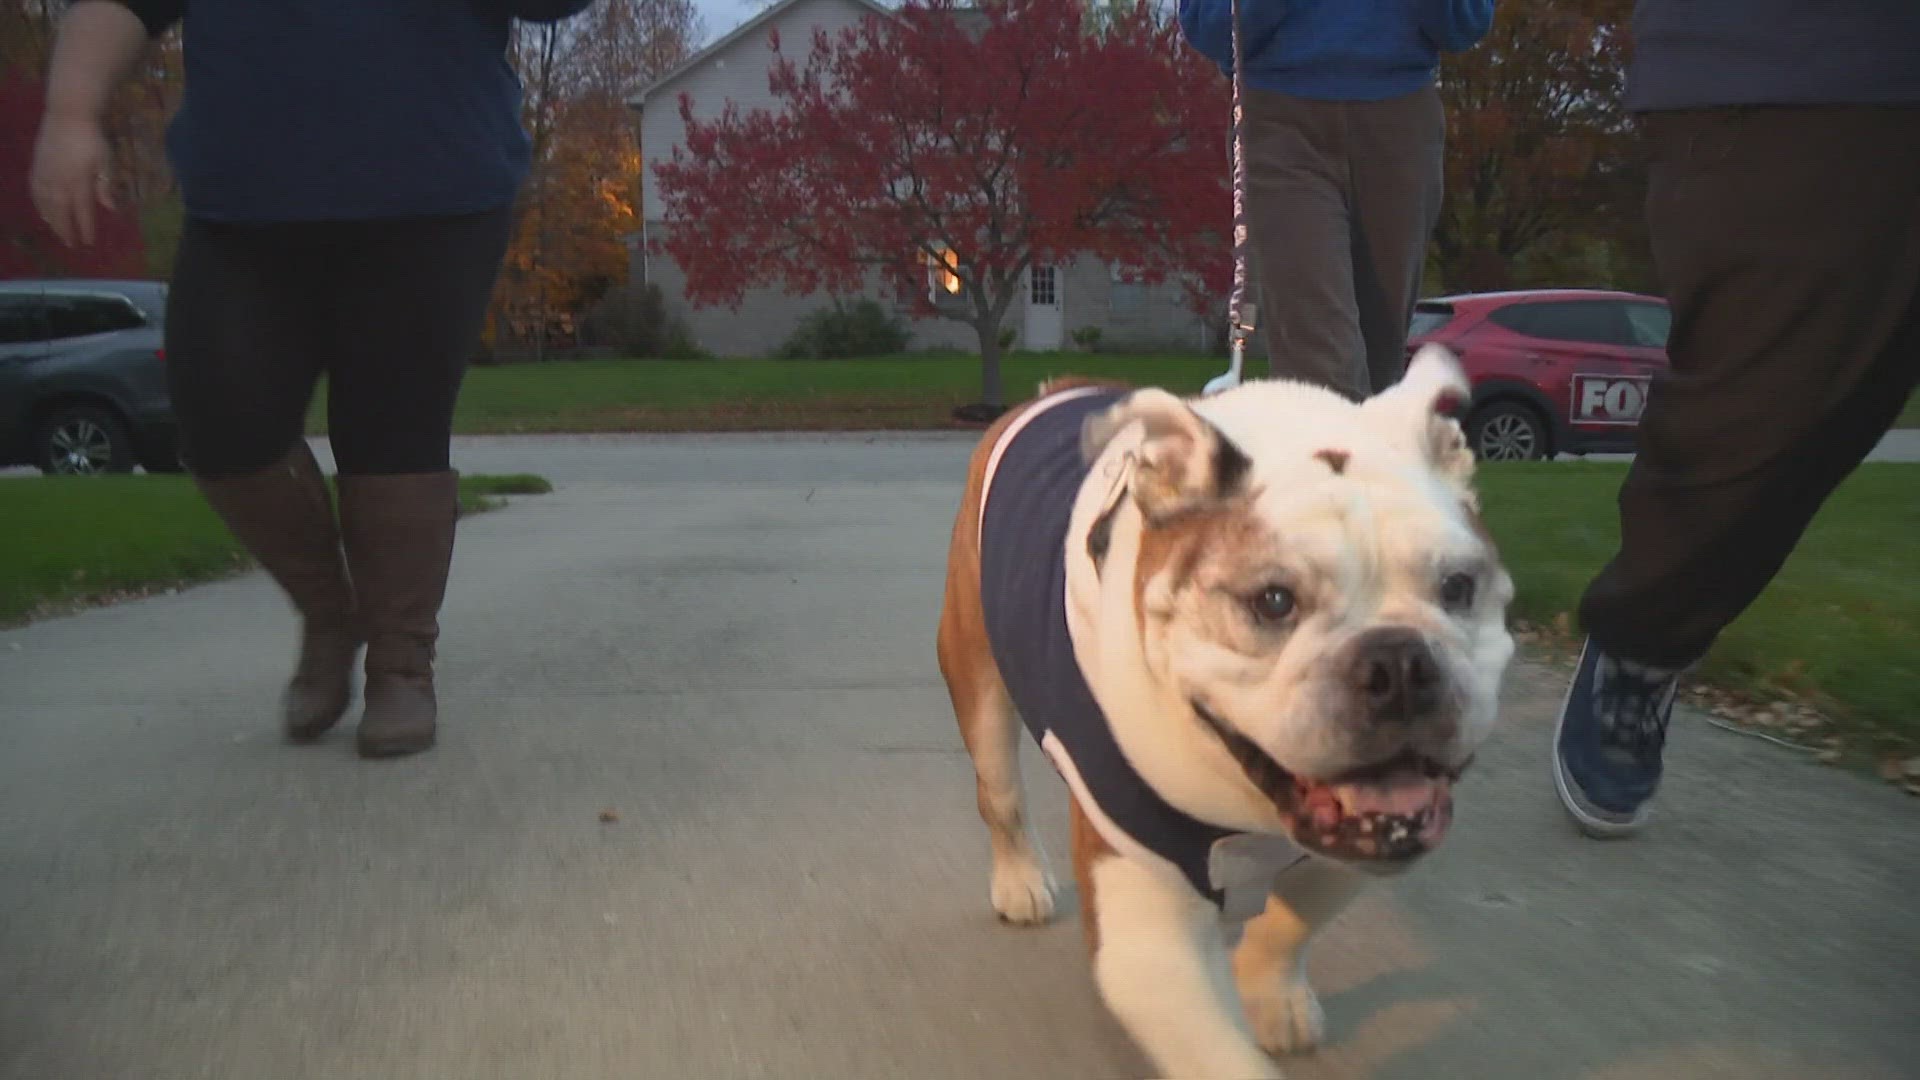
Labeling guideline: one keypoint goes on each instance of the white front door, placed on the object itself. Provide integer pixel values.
(1044, 331)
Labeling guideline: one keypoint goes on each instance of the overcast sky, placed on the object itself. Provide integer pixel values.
(723, 15)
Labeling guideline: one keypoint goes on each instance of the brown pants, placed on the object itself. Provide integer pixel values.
(1788, 242)
(1341, 199)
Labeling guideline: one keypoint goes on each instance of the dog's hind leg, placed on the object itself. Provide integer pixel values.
(1020, 888)
(1270, 963)
(1021, 891)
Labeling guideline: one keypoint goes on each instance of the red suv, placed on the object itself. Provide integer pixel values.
(1554, 371)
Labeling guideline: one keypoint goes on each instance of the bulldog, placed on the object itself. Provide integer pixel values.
(1260, 635)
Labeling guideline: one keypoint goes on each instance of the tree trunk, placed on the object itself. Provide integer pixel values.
(990, 390)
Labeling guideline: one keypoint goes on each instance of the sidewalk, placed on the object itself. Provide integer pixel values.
(700, 812)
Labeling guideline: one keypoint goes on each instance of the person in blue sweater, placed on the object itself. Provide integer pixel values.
(1783, 205)
(1344, 135)
(348, 170)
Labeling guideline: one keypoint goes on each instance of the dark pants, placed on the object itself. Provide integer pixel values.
(1788, 241)
(390, 311)
(1342, 197)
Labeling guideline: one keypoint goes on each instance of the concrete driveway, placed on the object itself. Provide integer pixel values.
(700, 812)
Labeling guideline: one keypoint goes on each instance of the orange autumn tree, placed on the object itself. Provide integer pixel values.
(580, 206)
(1539, 149)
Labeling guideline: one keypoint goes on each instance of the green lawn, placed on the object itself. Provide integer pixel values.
(891, 393)
(909, 392)
(73, 541)
(1839, 628)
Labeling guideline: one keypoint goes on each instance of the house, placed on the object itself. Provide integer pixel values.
(1057, 300)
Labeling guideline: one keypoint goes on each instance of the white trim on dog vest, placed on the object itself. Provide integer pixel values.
(1006, 438)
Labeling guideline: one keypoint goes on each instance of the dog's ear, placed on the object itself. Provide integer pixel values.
(1423, 405)
(1182, 461)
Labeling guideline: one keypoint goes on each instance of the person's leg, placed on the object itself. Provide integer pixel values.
(242, 323)
(1301, 242)
(1789, 243)
(412, 298)
(1396, 153)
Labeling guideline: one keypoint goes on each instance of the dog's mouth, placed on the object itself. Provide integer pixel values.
(1392, 811)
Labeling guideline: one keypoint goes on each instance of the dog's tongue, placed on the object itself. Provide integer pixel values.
(1424, 803)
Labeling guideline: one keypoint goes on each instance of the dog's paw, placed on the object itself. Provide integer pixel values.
(1285, 1015)
(1022, 895)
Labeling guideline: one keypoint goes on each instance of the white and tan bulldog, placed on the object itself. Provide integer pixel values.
(1260, 635)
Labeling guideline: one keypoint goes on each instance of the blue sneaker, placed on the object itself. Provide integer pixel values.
(1606, 748)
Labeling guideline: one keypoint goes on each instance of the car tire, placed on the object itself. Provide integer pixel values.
(82, 440)
(1509, 431)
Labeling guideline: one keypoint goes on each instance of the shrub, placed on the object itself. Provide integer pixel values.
(1088, 338)
(1006, 338)
(863, 328)
(635, 323)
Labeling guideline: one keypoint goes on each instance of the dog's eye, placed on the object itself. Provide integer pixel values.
(1273, 604)
(1456, 590)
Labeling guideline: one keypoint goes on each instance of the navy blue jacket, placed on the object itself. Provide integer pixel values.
(316, 110)
(1690, 54)
(1337, 50)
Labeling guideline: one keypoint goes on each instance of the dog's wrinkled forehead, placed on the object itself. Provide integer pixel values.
(1300, 458)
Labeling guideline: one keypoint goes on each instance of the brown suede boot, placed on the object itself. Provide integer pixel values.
(399, 541)
(284, 518)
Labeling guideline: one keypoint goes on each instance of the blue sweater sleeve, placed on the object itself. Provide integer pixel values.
(1208, 26)
(1455, 25)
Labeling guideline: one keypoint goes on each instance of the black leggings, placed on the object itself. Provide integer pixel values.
(390, 311)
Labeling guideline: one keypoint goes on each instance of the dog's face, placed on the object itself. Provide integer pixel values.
(1313, 588)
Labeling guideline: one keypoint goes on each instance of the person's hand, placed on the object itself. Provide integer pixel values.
(70, 175)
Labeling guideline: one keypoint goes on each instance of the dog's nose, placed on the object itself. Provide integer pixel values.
(1396, 674)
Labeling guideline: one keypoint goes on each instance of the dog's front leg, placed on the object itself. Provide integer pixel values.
(1163, 967)
(1270, 964)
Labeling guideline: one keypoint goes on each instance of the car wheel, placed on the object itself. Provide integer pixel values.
(1508, 431)
(82, 440)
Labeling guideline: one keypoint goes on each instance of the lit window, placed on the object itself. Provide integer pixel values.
(943, 272)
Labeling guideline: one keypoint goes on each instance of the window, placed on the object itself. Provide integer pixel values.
(1650, 324)
(20, 320)
(1041, 291)
(943, 273)
(1595, 322)
(1428, 316)
(78, 316)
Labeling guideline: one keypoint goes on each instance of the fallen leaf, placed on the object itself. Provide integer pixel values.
(608, 817)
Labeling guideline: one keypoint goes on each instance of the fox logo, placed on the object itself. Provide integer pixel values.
(1609, 399)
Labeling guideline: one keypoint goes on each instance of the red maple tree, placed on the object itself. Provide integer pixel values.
(943, 151)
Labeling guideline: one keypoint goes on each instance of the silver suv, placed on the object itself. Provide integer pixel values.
(83, 382)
